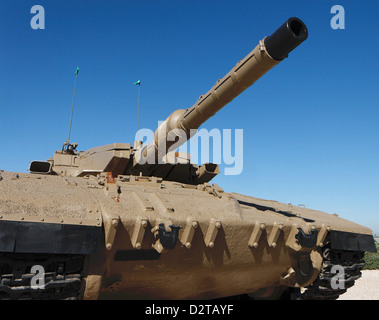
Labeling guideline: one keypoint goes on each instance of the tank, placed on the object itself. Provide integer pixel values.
(125, 221)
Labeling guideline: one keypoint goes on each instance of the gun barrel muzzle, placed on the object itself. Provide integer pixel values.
(288, 36)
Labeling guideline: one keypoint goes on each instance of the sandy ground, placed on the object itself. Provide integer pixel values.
(365, 288)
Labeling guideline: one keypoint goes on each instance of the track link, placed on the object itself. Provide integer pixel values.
(331, 284)
(62, 276)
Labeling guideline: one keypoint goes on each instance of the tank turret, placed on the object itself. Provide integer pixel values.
(151, 159)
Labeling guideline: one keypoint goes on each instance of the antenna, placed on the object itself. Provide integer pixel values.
(72, 108)
(67, 147)
(139, 95)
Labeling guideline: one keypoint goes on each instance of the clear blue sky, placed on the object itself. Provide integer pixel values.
(311, 127)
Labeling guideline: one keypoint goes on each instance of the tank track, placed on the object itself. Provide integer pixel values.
(352, 263)
(62, 277)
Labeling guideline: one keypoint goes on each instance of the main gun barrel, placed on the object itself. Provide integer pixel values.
(267, 54)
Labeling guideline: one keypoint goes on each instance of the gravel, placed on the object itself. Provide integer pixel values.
(365, 288)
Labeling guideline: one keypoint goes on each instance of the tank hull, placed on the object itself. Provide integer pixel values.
(227, 244)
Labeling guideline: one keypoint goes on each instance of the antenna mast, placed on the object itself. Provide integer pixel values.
(67, 147)
(72, 108)
(139, 95)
